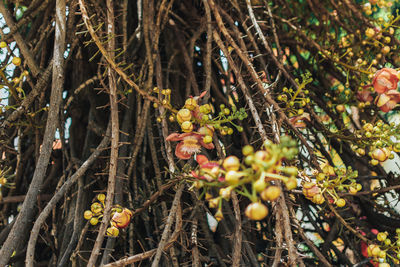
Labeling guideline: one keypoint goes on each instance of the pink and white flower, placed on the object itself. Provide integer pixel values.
(190, 143)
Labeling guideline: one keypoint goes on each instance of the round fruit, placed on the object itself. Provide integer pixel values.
(16, 61)
(87, 214)
(256, 211)
(340, 202)
(231, 163)
(271, 193)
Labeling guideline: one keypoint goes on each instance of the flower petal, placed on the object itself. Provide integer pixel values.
(173, 137)
(208, 146)
(180, 153)
(201, 159)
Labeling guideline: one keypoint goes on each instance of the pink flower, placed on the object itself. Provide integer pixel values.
(384, 80)
(299, 121)
(209, 170)
(364, 96)
(190, 144)
(122, 219)
(388, 101)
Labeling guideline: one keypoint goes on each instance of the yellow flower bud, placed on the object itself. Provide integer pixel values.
(112, 231)
(183, 115)
(340, 202)
(16, 61)
(101, 197)
(87, 214)
(271, 193)
(256, 211)
(190, 103)
(231, 163)
(94, 221)
(218, 215)
(187, 126)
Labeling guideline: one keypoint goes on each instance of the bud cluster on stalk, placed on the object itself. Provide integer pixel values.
(377, 140)
(295, 100)
(192, 117)
(13, 85)
(385, 249)
(120, 217)
(329, 183)
(256, 177)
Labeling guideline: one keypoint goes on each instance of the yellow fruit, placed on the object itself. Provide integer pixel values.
(381, 236)
(271, 193)
(3, 44)
(187, 126)
(318, 199)
(340, 202)
(340, 108)
(369, 32)
(190, 103)
(231, 163)
(352, 190)
(101, 197)
(94, 221)
(112, 231)
(183, 115)
(256, 211)
(248, 150)
(87, 214)
(16, 61)
(96, 208)
(379, 155)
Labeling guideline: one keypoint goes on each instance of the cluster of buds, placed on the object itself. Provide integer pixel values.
(120, 217)
(296, 100)
(256, 178)
(198, 126)
(165, 96)
(385, 84)
(329, 183)
(372, 6)
(384, 249)
(13, 85)
(378, 140)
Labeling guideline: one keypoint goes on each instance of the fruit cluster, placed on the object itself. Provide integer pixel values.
(384, 248)
(198, 126)
(256, 178)
(329, 183)
(378, 140)
(120, 217)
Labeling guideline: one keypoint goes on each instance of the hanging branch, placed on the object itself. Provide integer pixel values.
(27, 210)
